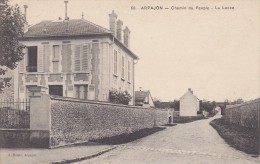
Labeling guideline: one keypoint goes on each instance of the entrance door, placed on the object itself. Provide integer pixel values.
(81, 91)
(56, 90)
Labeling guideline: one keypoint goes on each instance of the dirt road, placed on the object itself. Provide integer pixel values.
(195, 142)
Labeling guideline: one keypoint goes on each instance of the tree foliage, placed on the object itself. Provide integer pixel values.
(11, 28)
(119, 97)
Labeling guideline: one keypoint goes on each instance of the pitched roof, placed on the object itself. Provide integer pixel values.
(189, 92)
(141, 95)
(70, 28)
(65, 28)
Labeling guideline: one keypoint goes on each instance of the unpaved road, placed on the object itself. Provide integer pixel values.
(195, 142)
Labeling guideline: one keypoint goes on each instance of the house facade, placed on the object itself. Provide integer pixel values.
(144, 99)
(189, 104)
(76, 58)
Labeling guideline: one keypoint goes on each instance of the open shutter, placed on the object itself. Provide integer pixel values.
(22, 63)
(40, 59)
(77, 63)
(85, 53)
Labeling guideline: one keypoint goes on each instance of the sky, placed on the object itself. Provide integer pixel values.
(213, 52)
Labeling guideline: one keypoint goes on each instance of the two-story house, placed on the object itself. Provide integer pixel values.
(76, 58)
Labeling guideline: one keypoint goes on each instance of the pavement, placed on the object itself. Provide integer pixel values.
(66, 154)
(196, 142)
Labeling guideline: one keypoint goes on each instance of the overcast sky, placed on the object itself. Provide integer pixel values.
(214, 52)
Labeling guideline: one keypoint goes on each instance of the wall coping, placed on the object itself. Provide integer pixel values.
(60, 98)
(244, 104)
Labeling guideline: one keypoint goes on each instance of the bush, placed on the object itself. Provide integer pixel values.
(119, 97)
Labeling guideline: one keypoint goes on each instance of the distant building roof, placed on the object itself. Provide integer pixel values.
(141, 95)
(189, 92)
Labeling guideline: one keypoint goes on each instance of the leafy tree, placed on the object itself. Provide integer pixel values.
(119, 97)
(157, 102)
(176, 105)
(11, 28)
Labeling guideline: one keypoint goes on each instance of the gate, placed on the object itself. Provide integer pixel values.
(14, 114)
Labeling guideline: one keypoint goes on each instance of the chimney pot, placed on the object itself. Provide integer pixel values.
(112, 22)
(25, 26)
(127, 36)
(66, 8)
(119, 29)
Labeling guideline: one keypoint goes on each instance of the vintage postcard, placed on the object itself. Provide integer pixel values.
(133, 81)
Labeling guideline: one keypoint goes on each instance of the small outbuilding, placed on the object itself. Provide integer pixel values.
(144, 99)
(189, 104)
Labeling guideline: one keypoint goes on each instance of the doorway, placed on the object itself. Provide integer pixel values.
(56, 90)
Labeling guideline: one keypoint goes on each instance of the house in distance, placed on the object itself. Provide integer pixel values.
(76, 58)
(189, 104)
(143, 99)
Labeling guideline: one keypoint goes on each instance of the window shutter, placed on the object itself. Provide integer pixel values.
(40, 59)
(77, 62)
(22, 63)
(91, 92)
(85, 53)
(46, 50)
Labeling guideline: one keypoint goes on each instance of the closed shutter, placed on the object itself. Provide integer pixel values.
(77, 62)
(46, 51)
(22, 63)
(85, 53)
(91, 92)
(40, 59)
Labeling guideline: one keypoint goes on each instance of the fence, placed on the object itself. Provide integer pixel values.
(246, 114)
(14, 114)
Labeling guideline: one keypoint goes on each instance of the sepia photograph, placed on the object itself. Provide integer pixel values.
(129, 81)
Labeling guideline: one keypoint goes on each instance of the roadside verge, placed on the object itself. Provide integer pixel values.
(241, 138)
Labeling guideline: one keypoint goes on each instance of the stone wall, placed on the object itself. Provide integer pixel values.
(246, 114)
(75, 121)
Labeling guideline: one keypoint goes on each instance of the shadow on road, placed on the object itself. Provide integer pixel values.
(125, 138)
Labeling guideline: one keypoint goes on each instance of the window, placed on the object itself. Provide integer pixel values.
(115, 62)
(32, 59)
(82, 54)
(81, 91)
(129, 73)
(56, 90)
(123, 67)
(55, 61)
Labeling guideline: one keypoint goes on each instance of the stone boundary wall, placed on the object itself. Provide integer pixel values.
(76, 121)
(246, 114)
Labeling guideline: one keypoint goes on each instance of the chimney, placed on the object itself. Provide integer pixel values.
(119, 24)
(112, 22)
(82, 15)
(25, 26)
(66, 10)
(190, 90)
(126, 36)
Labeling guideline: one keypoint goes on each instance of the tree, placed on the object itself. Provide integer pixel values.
(119, 97)
(157, 102)
(11, 28)
(176, 105)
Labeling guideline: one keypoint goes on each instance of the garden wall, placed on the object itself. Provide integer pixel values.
(246, 114)
(75, 121)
